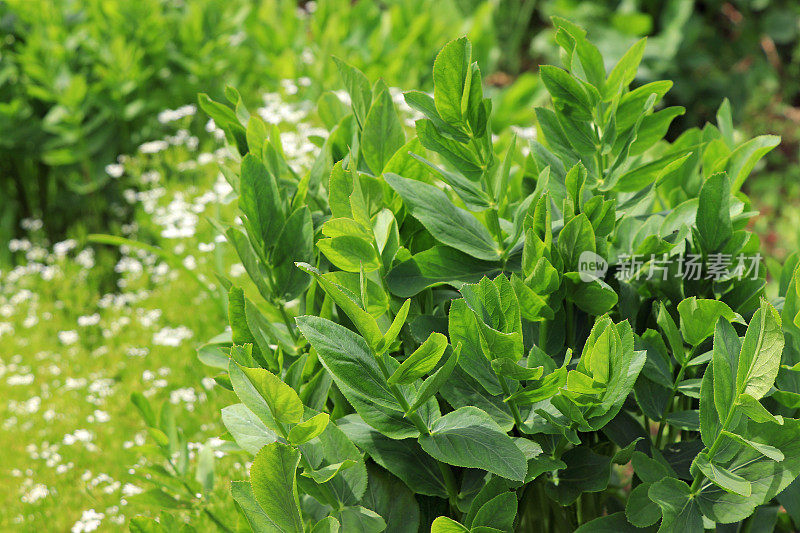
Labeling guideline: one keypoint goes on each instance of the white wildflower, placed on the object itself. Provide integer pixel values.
(68, 337)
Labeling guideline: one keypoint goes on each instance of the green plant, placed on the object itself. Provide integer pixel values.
(476, 347)
(81, 85)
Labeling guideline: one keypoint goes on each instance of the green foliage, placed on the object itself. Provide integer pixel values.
(80, 84)
(444, 343)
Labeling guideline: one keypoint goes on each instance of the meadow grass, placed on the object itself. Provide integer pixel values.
(78, 335)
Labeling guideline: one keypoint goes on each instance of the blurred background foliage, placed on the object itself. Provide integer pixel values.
(82, 81)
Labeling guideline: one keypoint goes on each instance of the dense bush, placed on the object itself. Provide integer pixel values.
(702, 45)
(82, 82)
(493, 336)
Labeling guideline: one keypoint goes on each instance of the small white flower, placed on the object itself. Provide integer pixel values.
(115, 170)
(172, 336)
(60, 249)
(89, 521)
(89, 320)
(153, 147)
(36, 493)
(68, 337)
(129, 489)
(24, 379)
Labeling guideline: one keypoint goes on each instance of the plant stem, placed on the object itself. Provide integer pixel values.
(570, 333)
(287, 322)
(663, 420)
(450, 484)
(511, 403)
(714, 447)
(416, 419)
(282, 309)
(493, 221)
(221, 525)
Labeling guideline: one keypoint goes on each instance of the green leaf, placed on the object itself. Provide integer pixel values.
(532, 306)
(653, 128)
(447, 223)
(295, 243)
(679, 509)
(447, 525)
(725, 361)
(640, 510)
(764, 449)
(450, 72)
(361, 520)
(670, 330)
(591, 61)
(422, 361)
(246, 428)
(722, 477)
(437, 266)
(498, 513)
(283, 401)
(586, 471)
(311, 428)
(625, 70)
(394, 329)
(461, 157)
(548, 387)
(272, 478)
(766, 476)
(404, 458)
(331, 448)
(240, 332)
(252, 265)
(358, 87)
(433, 383)
(328, 472)
(383, 133)
(256, 518)
(699, 317)
(576, 237)
(364, 322)
(745, 157)
(326, 525)
(508, 368)
(470, 438)
(250, 396)
(755, 411)
(425, 104)
(565, 89)
(260, 202)
(340, 186)
(348, 359)
(713, 213)
(760, 357)
(590, 294)
(350, 253)
(632, 103)
(688, 420)
(393, 501)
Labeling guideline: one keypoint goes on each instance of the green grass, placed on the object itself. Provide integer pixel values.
(71, 357)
